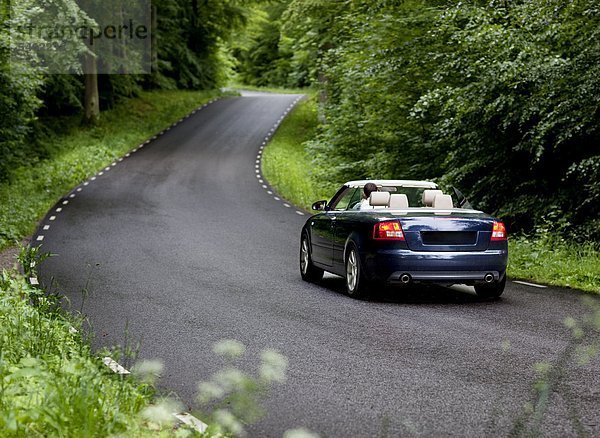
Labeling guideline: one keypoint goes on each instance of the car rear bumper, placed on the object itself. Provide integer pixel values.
(441, 267)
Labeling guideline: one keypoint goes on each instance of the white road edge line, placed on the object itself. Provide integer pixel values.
(114, 366)
(34, 281)
(193, 422)
(540, 286)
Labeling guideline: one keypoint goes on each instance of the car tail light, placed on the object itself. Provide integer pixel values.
(388, 230)
(499, 232)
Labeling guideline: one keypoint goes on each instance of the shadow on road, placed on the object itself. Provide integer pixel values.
(414, 294)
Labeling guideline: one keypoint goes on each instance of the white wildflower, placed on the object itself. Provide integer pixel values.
(229, 422)
(229, 348)
(300, 433)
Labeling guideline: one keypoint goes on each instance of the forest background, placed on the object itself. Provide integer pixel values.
(499, 98)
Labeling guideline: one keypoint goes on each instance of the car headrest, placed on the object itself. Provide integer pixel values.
(399, 201)
(429, 196)
(379, 199)
(443, 202)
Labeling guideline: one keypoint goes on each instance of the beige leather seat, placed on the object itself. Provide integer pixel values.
(443, 202)
(429, 196)
(379, 199)
(399, 201)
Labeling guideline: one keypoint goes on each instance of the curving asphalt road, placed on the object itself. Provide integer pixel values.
(180, 246)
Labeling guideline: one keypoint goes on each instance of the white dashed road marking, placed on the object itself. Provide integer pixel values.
(114, 366)
(272, 131)
(192, 421)
(540, 286)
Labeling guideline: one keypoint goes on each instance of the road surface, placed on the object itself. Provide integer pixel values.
(180, 246)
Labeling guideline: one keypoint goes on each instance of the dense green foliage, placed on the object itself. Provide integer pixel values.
(500, 99)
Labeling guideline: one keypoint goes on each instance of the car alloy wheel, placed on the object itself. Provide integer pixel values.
(352, 271)
(308, 271)
(357, 285)
(304, 261)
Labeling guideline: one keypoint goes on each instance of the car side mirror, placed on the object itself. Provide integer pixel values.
(319, 205)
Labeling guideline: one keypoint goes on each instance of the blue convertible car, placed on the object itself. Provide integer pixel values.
(405, 232)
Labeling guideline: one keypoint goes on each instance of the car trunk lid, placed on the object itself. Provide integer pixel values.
(455, 232)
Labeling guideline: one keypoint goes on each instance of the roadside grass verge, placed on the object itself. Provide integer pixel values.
(287, 167)
(75, 152)
(51, 384)
(555, 263)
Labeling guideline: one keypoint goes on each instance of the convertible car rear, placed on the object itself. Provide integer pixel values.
(408, 232)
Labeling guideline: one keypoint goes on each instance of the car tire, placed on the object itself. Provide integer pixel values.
(493, 290)
(308, 271)
(357, 285)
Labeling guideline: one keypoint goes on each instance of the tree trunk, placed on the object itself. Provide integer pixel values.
(153, 78)
(154, 39)
(92, 97)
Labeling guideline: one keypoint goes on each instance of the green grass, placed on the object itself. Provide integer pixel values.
(287, 167)
(50, 383)
(79, 152)
(555, 263)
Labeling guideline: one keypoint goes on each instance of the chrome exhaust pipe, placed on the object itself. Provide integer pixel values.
(489, 278)
(405, 278)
